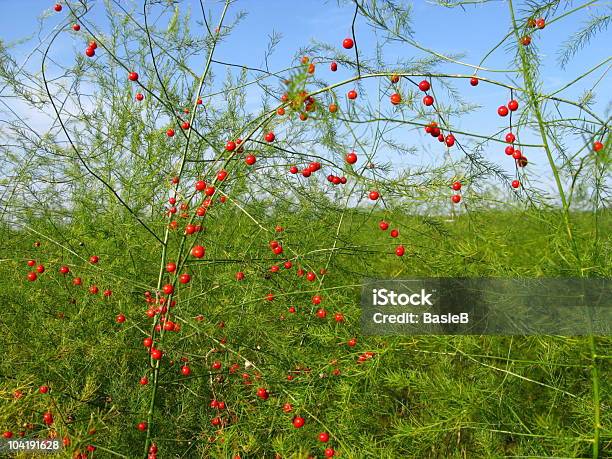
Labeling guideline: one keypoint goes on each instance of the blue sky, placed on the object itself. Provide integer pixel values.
(470, 31)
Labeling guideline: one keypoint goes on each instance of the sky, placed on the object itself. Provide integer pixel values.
(469, 31)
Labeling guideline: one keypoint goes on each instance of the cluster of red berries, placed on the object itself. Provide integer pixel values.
(335, 180)
(301, 98)
(433, 130)
(64, 270)
(152, 451)
(365, 357)
(308, 170)
(394, 233)
(511, 106)
(456, 198)
(539, 23)
(425, 86)
(90, 51)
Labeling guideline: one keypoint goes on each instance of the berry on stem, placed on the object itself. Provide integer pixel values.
(424, 85)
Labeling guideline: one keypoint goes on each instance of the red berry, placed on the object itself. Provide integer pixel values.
(198, 251)
(502, 110)
(147, 342)
(7, 434)
(144, 381)
(184, 278)
(43, 389)
(526, 40)
(77, 281)
(230, 145)
(185, 125)
(216, 365)
(351, 158)
(352, 94)
(383, 225)
(347, 43)
(142, 426)
(450, 140)
(263, 393)
(250, 160)
(424, 85)
(120, 318)
(32, 276)
(48, 418)
(94, 259)
(456, 186)
(94, 289)
(221, 175)
(540, 23)
(270, 137)
(456, 198)
(516, 184)
(31, 263)
(133, 76)
(395, 98)
(509, 150)
(57, 7)
(76, 27)
(293, 169)
(324, 437)
(374, 195)
(513, 105)
(510, 137)
(170, 132)
(329, 452)
(239, 276)
(399, 251)
(339, 317)
(298, 422)
(333, 66)
(321, 313)
(185, 370)
(428, 101)
(394, 233)
(139, 96)
(474, 81)
(171, 267)
(598, 146)
(316, 299)
(92, 44)
(200, 185)
(156, 354)
(352, 342)
(168, 289)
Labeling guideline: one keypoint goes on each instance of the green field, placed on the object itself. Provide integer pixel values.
(424, 396)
